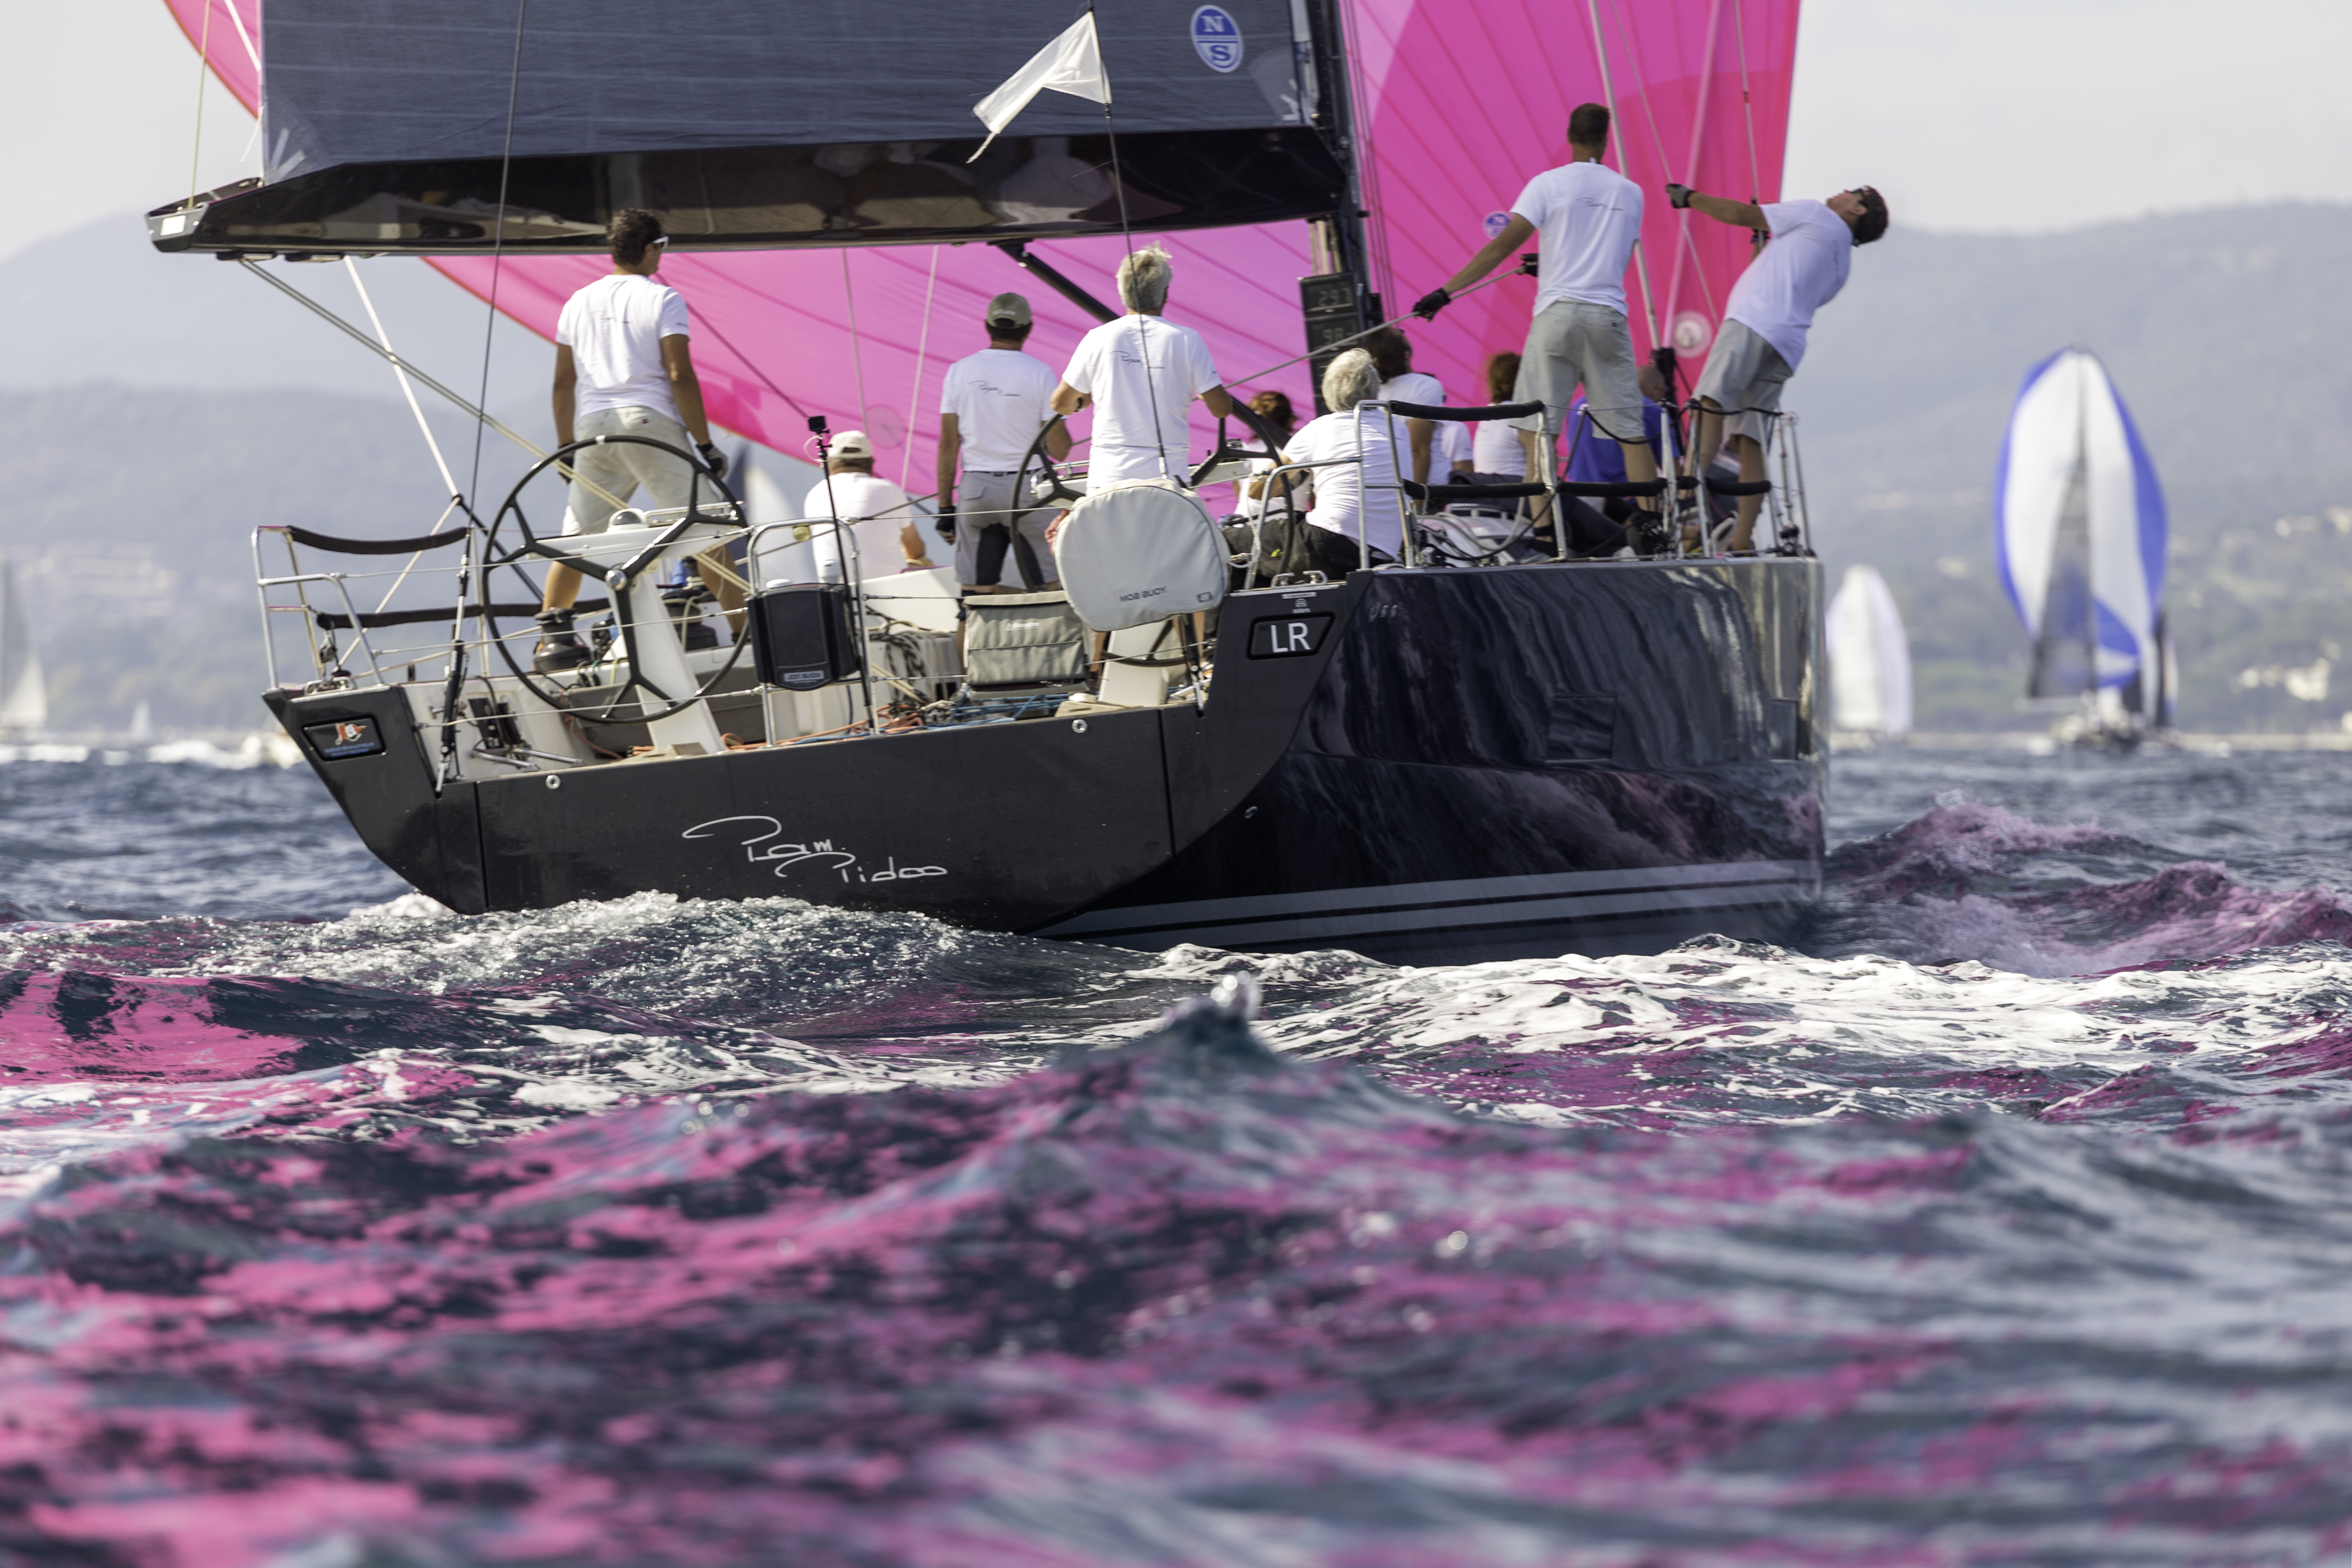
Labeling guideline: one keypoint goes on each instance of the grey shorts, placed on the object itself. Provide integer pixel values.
(621, 470)
(1746, 372)
(1575, 342)
(983, 547)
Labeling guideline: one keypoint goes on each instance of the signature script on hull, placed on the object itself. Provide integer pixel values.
(753, 833)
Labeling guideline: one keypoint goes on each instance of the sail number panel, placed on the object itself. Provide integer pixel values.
(1287, 636)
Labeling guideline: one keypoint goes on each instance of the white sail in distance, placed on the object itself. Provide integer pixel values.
(23, 689)
(1870, 657)
(2080, 532)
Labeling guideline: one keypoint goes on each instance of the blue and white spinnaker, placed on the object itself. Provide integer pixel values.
(2079, 527)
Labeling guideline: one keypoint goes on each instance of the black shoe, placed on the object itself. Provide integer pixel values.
(560, 648)
(685, 606)
(1646, 532)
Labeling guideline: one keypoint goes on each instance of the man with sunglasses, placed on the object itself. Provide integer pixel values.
(622, 368)
(1807, 251)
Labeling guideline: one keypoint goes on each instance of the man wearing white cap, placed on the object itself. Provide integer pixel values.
(990, 409)
(882, 519)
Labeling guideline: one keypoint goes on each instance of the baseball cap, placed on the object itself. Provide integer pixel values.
(852, 443)
(1009, 308)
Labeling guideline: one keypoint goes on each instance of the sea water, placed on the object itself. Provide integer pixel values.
(2002, 1218)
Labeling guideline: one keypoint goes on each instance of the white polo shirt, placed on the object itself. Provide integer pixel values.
(614, 328)
(1587, 216)
(1108, 367)
(1801, 271)
(1001, 398)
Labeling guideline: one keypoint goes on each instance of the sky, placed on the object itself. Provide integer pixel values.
(1978, 116)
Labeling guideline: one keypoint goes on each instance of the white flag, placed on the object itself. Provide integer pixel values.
(1072, 63)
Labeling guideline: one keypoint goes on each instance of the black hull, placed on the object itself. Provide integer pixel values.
(1466, 766)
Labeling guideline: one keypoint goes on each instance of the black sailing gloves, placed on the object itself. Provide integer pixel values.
(714, 459)
(1679, 196)
(946, 520)
(1429, 304)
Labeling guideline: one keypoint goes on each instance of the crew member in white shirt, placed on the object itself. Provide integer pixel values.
(990, 409)
(1356, 493)
(622, 368)
(1438, 443)
(1499, 456)
(1140, 373)
(1800, 268)
(1588, 216)
(883, 522)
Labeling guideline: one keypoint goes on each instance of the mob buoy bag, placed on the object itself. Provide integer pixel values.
(1137, 551)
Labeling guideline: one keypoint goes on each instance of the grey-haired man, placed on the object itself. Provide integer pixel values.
(991, 407)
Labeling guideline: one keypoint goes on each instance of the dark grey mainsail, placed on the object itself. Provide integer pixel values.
(440, 127)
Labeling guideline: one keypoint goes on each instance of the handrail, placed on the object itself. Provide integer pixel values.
(328, 541)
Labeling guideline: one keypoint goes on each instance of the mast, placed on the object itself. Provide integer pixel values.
(1337, 298)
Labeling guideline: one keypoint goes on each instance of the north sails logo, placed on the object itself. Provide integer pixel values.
(1218, 37)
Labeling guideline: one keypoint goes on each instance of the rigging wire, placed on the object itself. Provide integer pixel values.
(246, 39)
(856, 343)
(204, 70)
(922, 349)
(1126, 232)
(1609, 97)
(1748, 103)
(449, 482)
(1649, 113)
(498, 243)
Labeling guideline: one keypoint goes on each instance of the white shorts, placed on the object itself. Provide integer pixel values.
(620, 470)
(1745, 373)
(1574, 342)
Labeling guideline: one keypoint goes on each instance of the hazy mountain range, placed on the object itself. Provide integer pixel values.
(161, 406)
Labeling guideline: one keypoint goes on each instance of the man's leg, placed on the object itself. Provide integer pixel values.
(586, 513)
(1547, 375)
(717, 574)
(1750, 452)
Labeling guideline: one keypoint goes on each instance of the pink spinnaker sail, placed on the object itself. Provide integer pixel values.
(1459, 105)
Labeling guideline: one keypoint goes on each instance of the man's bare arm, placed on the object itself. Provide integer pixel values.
(950, 442)
(1515, 233)
(1057, 442)
(567, 388)
(1067, 399)
(1723, 209)
(686, 387)
(1220, 402)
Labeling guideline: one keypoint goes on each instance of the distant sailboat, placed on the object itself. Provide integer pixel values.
(23, 689)
(2080, 530)
(142, 724)
(1870, 658)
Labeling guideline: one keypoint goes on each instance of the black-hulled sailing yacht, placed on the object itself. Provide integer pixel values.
(1463, 754)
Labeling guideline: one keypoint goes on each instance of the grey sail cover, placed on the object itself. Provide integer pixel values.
(1138, 551)
(371, 81)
